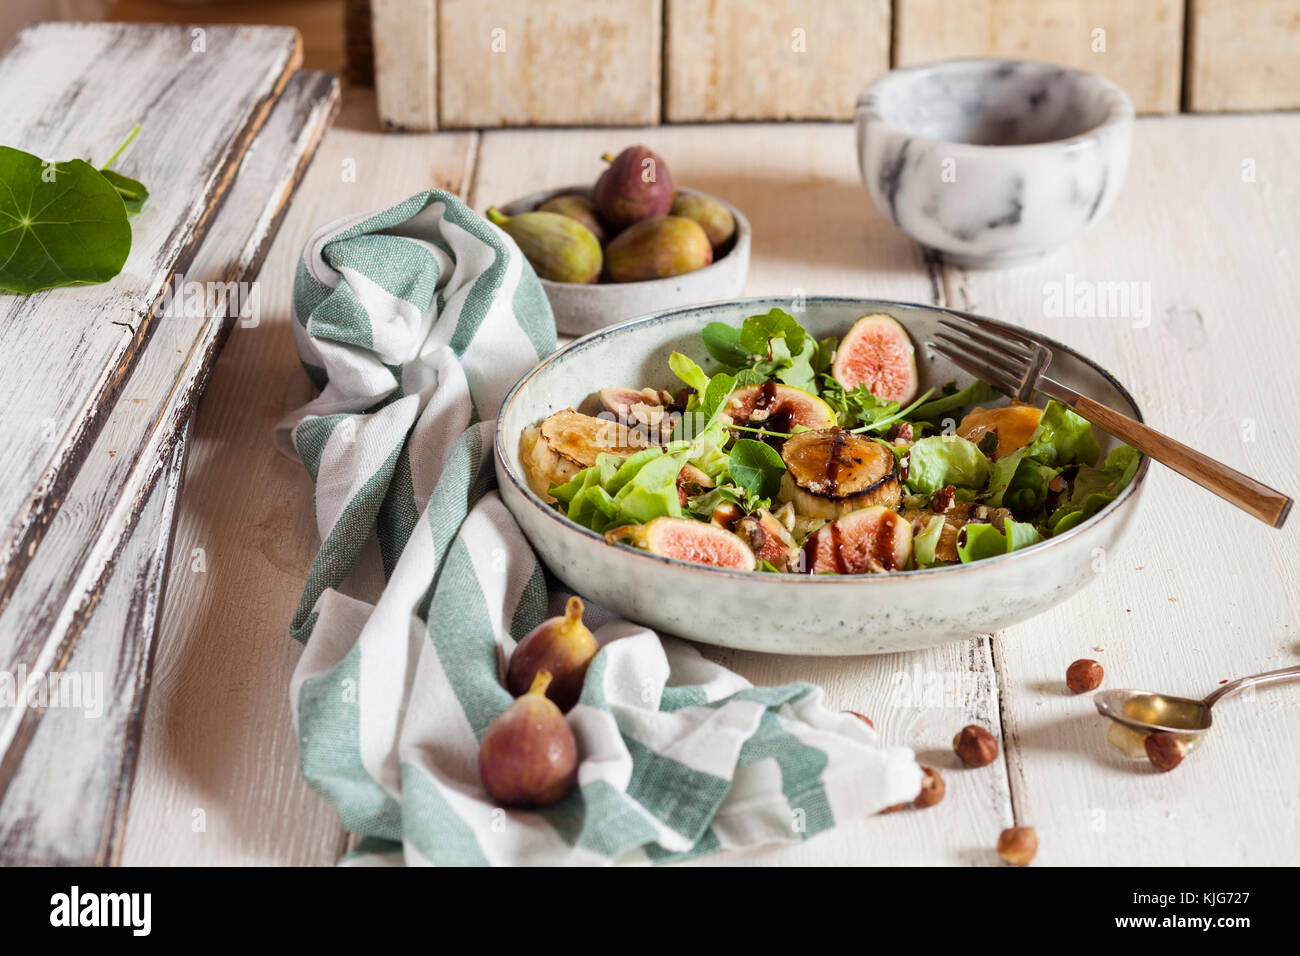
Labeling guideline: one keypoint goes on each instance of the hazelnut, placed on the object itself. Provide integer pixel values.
(862, 717)
(1083, 676)
(975, 746)
(1018, 845)
(1165, 750)
(932, 788)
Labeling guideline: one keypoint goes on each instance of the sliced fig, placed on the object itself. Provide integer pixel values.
(691, 482)
(877, 352)
(778, 407)
(1013, 425)
(868, 541)
(687, 540)
(831, 472)
(767, 538)
(619, 401)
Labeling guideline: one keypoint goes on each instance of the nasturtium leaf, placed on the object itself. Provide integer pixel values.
(756, 467)
(60, 223)
(131, 190)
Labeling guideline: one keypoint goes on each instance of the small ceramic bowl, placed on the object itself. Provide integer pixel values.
(580, 309)
(993, 162)
(791, 613)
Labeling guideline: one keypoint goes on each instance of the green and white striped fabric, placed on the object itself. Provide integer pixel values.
(414, 322)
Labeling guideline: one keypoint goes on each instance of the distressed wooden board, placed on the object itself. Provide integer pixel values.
(790, 59)
(67, 804)
(218, 733)
(405, 36)
(1243, 56)
(63, 581)
(582, 62)
(71, 89)
(1143, 42)
(103, 603)
(815, 232)
(1200, 593)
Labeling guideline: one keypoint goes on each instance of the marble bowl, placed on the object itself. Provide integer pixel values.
(580, 309)
(993, 162)
(788, 613)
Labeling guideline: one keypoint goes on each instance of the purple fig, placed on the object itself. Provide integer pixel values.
(576, 207)
(636, 186)
(528, 757)
(561, 646)
(558, 248)
(715, 218)
(657, 248)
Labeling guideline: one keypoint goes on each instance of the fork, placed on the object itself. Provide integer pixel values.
(1015, 362)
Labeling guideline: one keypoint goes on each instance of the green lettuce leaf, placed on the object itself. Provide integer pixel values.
(1094, 488)
(978, 541)
(925, 543)
(617, 491)
(1062, 438)
(942, 460)
(976, 393)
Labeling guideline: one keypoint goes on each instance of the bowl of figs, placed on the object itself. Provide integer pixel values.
(631, 243)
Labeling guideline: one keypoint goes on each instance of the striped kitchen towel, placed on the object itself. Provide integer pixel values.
(413, 323)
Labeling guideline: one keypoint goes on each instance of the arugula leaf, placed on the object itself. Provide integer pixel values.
(973, 394)
(60, 224)
(756, 467)
(942, 460)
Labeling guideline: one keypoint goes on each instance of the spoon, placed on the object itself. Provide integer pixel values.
(1148, 712)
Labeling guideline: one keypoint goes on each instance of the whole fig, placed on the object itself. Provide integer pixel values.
(576, 207)
(560, 645)
(636, 186)
(528, 757)
(657, 248)
(559, 248)
(715, 218)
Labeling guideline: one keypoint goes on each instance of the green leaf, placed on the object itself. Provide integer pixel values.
(973, 394)
(723, 343)
(60, 224)
(1094, 488)
(131, 190)
(1062, 438)
(978, 541)
(942, 460)
(925, 543)
(756, 467)
(685, 368)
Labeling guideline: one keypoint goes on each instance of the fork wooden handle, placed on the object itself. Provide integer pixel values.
(1265, 503)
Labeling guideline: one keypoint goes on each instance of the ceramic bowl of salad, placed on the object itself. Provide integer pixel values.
(809, 483)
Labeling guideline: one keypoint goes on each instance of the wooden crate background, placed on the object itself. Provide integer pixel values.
(642, 62)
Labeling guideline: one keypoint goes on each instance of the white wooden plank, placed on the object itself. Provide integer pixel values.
(67, 803)
(815, 232)
(218, 734)
(75, 90)
(68, 579)
(1201, 592)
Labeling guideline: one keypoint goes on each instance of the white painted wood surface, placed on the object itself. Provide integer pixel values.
(73, 350)
(112, 498)
(218, 735)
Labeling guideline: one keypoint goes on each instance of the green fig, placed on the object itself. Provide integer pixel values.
(637, 185)
(559, 248)
(560, 645)
(576, 207)
(529, 757)
(657, 248)
(715, 218)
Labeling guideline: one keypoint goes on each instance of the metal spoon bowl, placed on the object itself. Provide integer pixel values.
(1149, 712)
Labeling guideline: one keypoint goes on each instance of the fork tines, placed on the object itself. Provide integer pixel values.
(1004, 358)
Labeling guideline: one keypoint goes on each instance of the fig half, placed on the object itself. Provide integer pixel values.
(878, 353)
(687, 540)
(872, 540)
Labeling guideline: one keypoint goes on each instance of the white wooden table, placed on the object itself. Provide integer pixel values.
(1209, 224)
